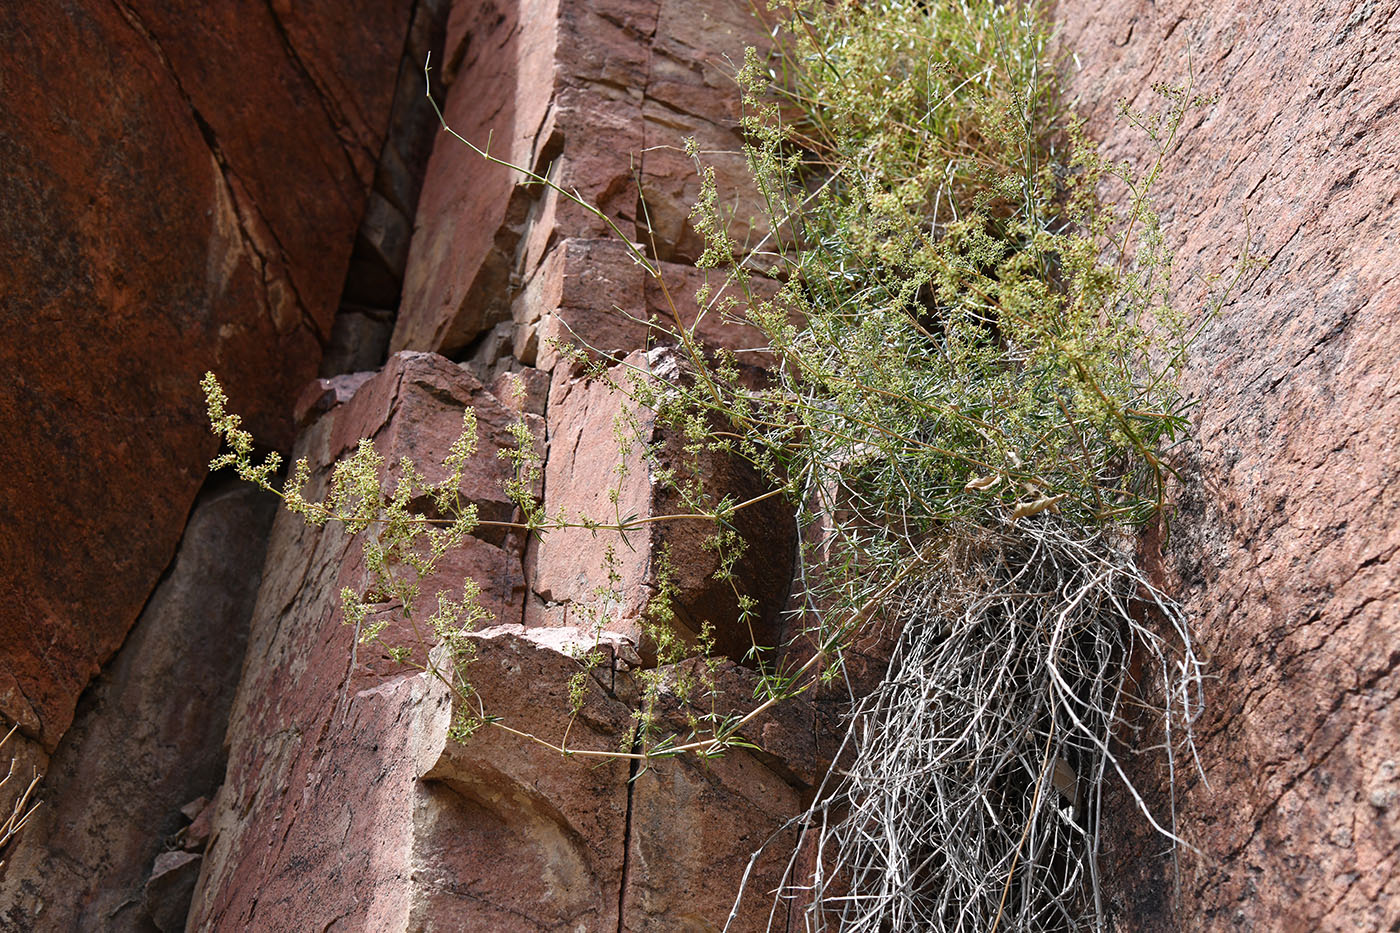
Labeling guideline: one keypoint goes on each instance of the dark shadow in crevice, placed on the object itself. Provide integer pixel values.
(147, 740)
(369, 301)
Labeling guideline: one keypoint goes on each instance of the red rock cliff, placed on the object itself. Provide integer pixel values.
(182, 191)
(1284, 546)
(199, 190)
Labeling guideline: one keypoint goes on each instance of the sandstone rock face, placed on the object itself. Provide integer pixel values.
(181, 194)
(596, 95)
(468, 225)
(1284, 547)
(567, 567)
(345, 803)
(313, 825)
(147, 736)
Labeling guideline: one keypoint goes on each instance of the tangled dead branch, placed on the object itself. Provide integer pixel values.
(23, 806)
(967, 795)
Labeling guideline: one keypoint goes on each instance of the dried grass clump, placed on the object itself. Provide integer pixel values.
(968, 793)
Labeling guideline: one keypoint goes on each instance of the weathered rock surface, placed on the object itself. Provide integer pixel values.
(597, 95)
(181, 193)
(691, 94)
(148, 734)
(1285, 546)
(596, 438)
(511, 836)
(562, 823)
(469, 220)
(345, 803)
(314, 822)
(592, 294)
